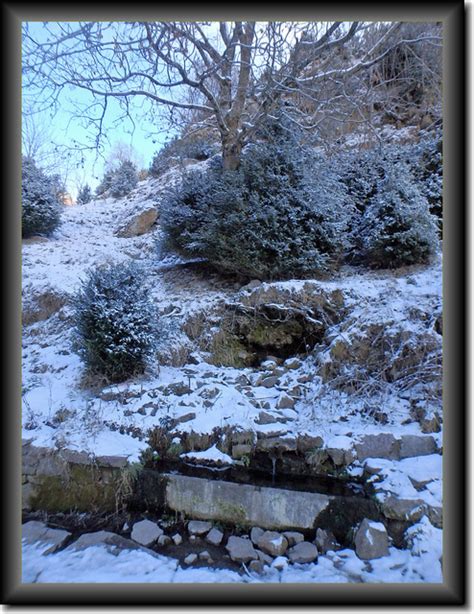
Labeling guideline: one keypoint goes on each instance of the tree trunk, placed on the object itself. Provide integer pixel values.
(231, 150)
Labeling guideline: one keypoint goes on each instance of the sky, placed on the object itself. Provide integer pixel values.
(64, 128)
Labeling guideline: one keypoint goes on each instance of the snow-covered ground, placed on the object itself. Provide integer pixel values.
(60, 410)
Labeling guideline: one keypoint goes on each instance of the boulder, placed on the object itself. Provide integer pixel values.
(255, 534)
(214, 536)
(383, 445)
(199, 527)
(256, 566)
(371, 540)
(241, 550)
(177, 539)
(303, 552)
(403, 509)
(191, 558)
(146, 532)
(138, 222)
(114, 543)
(280, 563)
(325, 541)
(293, 537)
(285, 402)
(50, 539)
(414, 445)
(273, 543)
(39, 304)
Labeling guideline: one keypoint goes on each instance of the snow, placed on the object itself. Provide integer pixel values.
(61, 410)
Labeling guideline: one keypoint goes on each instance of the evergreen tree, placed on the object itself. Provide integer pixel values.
(85, 195)
(40, 208)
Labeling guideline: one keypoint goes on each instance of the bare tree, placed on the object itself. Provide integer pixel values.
(231, 75)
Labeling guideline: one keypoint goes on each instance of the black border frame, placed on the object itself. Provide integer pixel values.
(454, 591)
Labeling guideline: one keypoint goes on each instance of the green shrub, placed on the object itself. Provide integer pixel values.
(281, 214)
(115, 321)
(40, 209)
(85, 195)
(397, 228)
(178, 149)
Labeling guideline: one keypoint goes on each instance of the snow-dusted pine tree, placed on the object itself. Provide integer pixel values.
(40, 209)
(124, 180)
(397, 228)
(115, 321)
(85, 195)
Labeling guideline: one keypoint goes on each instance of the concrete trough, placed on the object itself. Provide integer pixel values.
(266, 507)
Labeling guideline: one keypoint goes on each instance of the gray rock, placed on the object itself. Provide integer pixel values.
(403, 509)
(371, 540)
(214, 536)
(255, 534)
(191, 558)
(199, 527)
(414, 445)
(285, 402)
(177, 539)
(146, 532)
(383, 445)
(265, 418)
(283, 444)
(307, 443)
(164, 540)
(269, 382)
(241, 550)
(325, 541)
(293, 537)
(204, 555)
(114, 543)
(435, 515)
(273, 543)
(265, 558)
(303, 552)
(292, 363)
(50, 539)
(255, 283)
(240, 450)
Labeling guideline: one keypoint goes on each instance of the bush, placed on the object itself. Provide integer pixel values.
(397, 228)
(282, 214)
(124, 180)
(176, 150)
(106, 183)
(40, 209)
(85, 195)
(115, 322)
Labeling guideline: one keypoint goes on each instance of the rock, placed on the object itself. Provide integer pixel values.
(240, 450)
(403, 509)
(114, 543)
(35, 239)
(214, 536)
(40, 304)
(164, 540)
(191, 558)
(293, 537)
(371, 540)
(146, 532)
(414, 445)
(292, 363)
(255, 534)
(50, 539)
(285, 402)
(241, 550)
(265, 558)
(282, 444)
(273, 543)
(177, 539)
(325, 541)
(265, 418)
(204, 555)
(307, 443)
(256, 566)
(303, 552)
(435, 515)
(383, 445)
(180, 419)
(269, 381)
(280, 563)
(138, 223)
(199, 527)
